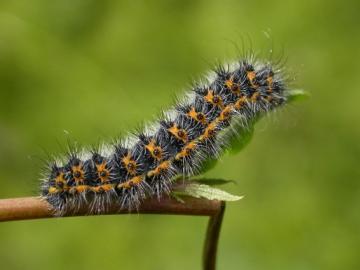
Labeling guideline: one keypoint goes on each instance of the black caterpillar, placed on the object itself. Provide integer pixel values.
(194, 130)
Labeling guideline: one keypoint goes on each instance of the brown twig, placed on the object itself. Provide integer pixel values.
(35, 208)
(212, 238)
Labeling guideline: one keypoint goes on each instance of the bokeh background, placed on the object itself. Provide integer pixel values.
(99, 68)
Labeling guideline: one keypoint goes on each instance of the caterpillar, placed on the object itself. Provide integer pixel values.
(197, 128)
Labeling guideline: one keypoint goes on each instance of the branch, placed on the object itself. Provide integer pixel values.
(212, 238)
(35, 208)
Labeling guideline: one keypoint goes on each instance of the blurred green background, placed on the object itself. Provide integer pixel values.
(99, 68)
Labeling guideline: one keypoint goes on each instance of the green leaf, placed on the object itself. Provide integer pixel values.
(207, 192)
(208, 165)
(297, 95)
(213, 182)
(177, 197)
(237, 143)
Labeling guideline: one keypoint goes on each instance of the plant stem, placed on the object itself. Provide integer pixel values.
(35, 208)
(212, 238)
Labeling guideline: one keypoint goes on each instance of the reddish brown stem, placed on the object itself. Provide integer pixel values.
(212, 238)
(35, 208)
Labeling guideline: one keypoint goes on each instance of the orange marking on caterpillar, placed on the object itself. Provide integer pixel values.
(129, 164)
(106, 187)
(186, 150)
(102, 172)
(78, 173)
(81, 188)
(251, 76)
(200, 117)
(53, 190)
(209, 131)
(214, 99)
(159, 169)
(60, 179)
(234, 87)
(229, 83)
(240, 102)
(180, 134)
(155, 151)
(225, 113)
(255, 96)
(269, 81)
(132, 182)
